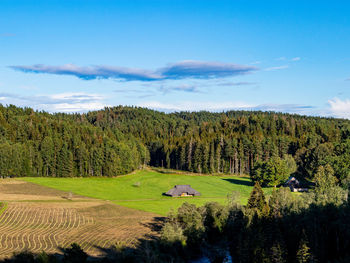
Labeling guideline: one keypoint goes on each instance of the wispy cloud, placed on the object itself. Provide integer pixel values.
(124, 90)
(281, 58)
(340, 108)
(193, 106)
(182, 70)
(277, 68)
(243, 83)
(289, 108)
(348, 79)
(181, 88)
(62, 102)
(284, 59)
(205, 70)
(296, 59)
(224, 106)
(94, 72)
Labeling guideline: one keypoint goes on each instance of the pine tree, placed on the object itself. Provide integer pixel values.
(303, 253)
(218, 158)
(198, 158)
(205, 161)
(182, 158)
(65, 162)
(189, 155)
(257, 200)
(48, 155)
(277, 254)
(212, 159)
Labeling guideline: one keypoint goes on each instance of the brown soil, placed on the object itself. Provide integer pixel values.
(39, 218)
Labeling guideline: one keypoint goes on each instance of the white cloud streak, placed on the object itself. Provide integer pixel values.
(340, 108)
(277, 68)
(62, 102)
(224, 106)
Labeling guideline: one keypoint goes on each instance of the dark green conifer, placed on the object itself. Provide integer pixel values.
(257, 199)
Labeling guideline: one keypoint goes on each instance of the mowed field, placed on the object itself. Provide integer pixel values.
(144, 189)
(37, 218)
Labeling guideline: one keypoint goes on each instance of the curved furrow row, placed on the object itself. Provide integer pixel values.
(43, 233)
(84, 231)
(107, 242)
(37, 228)
(6, 213)
(77, 236)
(52, 229)
(9, 229)
(27, 228)
(67, 228)
(12, 234)
(31, 230)
(8, 218)
(99, 238)
(91, 236)
(56, 232)
(83, 234)
(48, 230)
(40, 228)
(21, 230)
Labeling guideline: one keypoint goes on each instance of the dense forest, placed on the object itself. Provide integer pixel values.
(118, 140)
(40, 144)
(232, 142)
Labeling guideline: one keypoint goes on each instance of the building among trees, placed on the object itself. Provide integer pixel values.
(182, 190)
(294, 185)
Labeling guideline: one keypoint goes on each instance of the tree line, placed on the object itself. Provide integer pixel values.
(233, 142)
(120, 139)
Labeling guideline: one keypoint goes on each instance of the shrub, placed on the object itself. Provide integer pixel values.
(74, 254)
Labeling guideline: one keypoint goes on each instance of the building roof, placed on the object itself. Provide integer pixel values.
(292, 180)
(178, 190)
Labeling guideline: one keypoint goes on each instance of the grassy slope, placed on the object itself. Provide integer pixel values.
(148, 196)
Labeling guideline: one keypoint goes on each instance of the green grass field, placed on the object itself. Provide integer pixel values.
(148, 195)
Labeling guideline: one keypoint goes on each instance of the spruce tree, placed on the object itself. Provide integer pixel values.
(257, 199)
(303, 253)
(65, 162)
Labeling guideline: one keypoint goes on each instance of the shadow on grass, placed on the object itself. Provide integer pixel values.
(239, 182)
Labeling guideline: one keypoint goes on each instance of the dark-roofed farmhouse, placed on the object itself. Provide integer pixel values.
(182, 190)
(294, 185)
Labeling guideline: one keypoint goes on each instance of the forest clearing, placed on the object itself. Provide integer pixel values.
(143, 189)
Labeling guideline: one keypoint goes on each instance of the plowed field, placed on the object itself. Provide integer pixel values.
(37, 218)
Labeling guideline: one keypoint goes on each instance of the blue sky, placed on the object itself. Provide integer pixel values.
(75, 56)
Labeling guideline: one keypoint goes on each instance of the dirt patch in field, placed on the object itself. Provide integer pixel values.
(14, 190)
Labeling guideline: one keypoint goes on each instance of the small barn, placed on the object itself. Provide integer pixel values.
(182, 190)
(294, 185)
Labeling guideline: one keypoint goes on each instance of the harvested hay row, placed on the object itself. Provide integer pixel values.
(37, 226)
